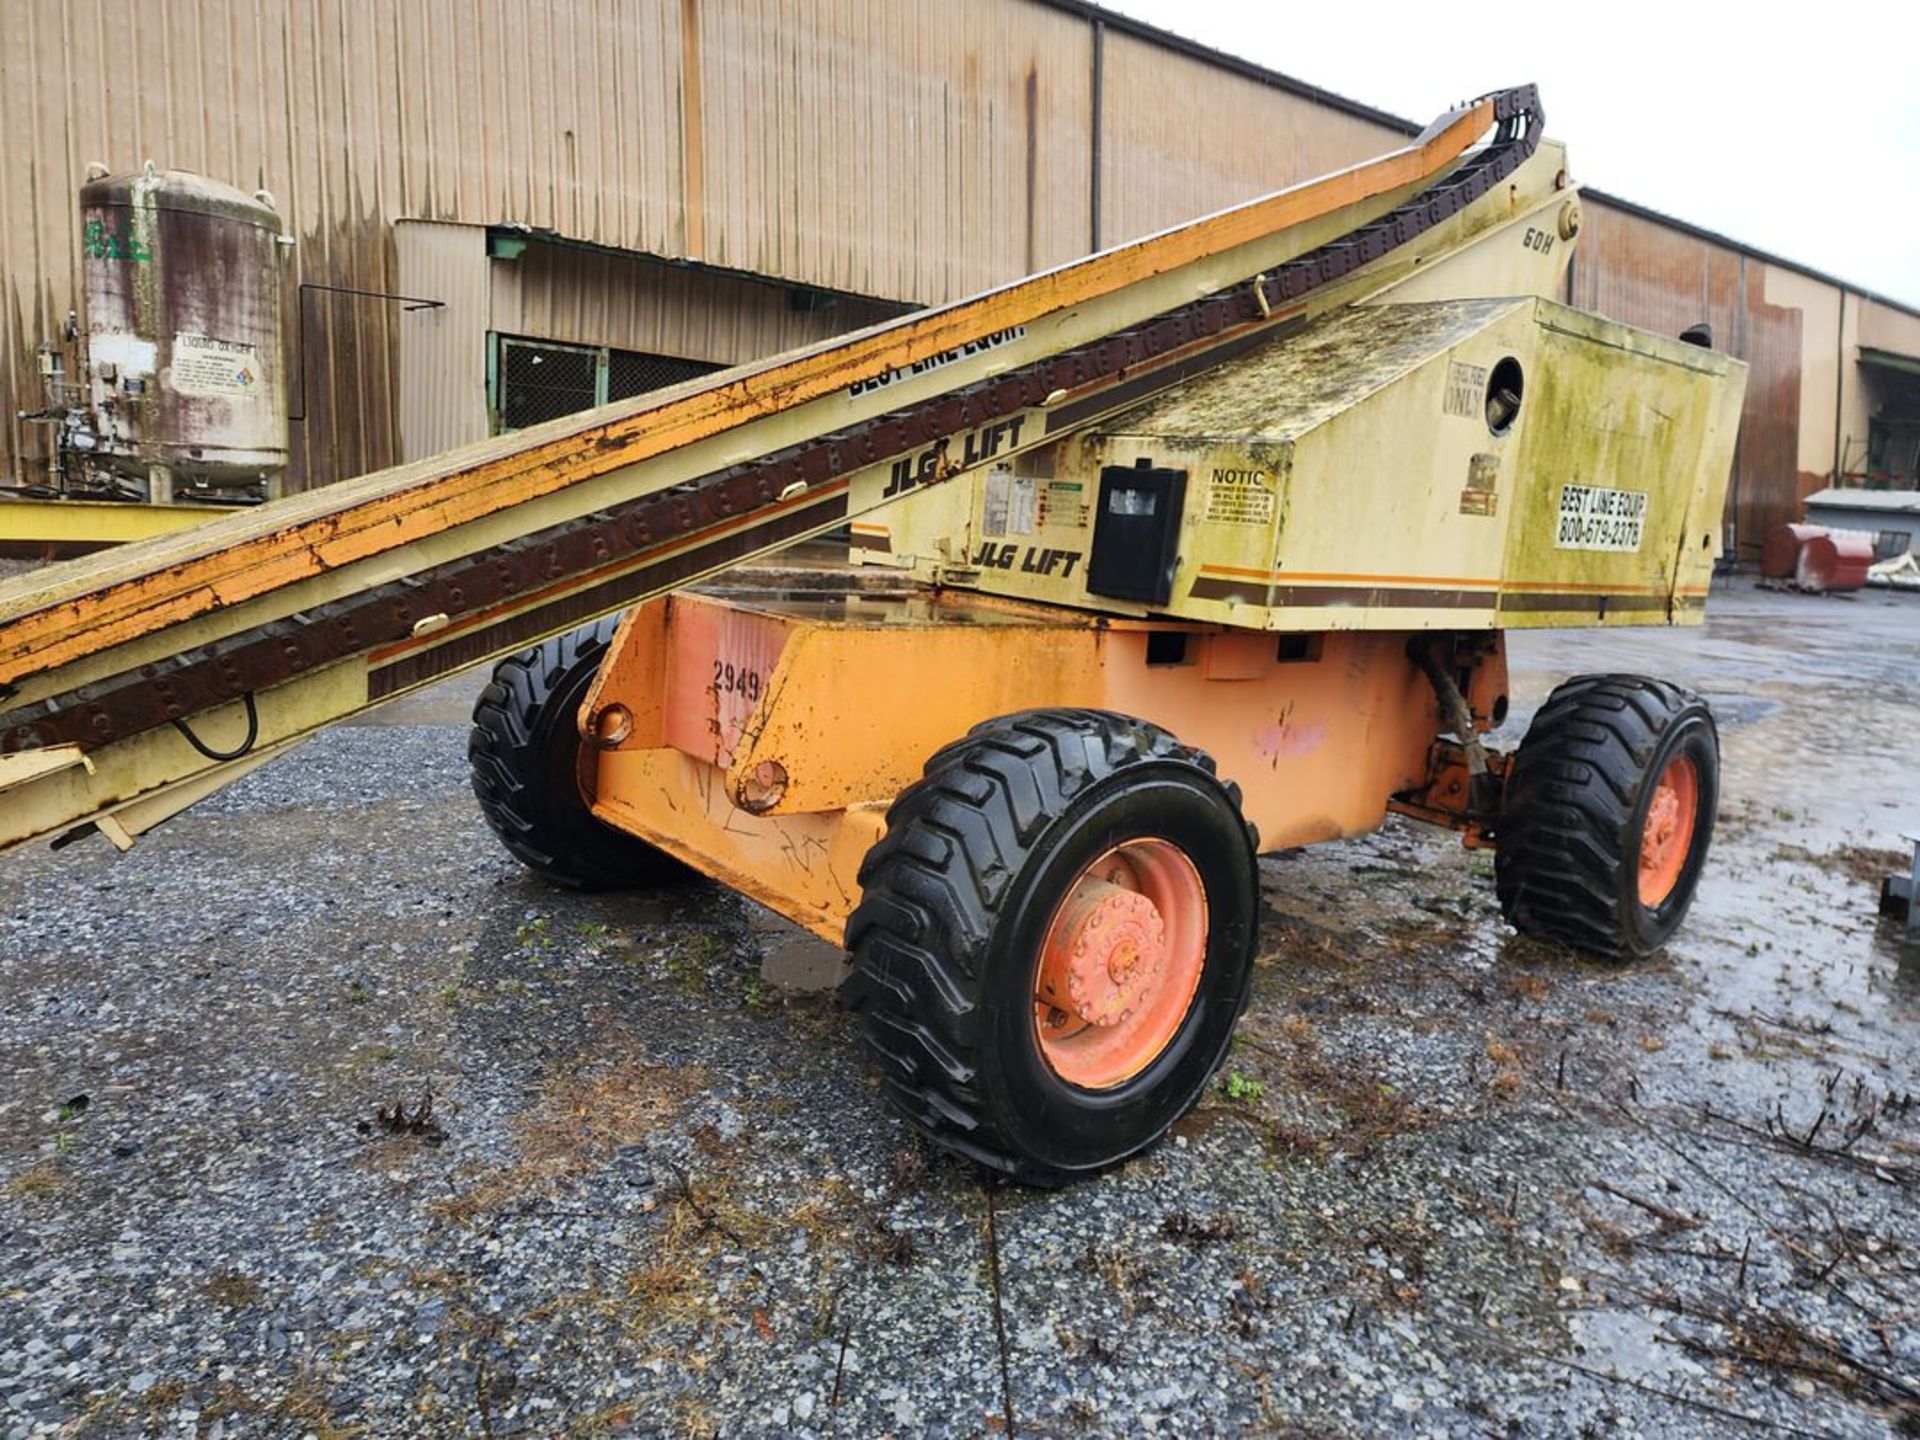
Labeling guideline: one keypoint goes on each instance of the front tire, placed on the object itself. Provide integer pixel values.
(524, 754)
(1052, 866)
(1608, 815)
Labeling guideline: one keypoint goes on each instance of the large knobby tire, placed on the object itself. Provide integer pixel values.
(1608, 814)
(524, 750)
(1019, 838)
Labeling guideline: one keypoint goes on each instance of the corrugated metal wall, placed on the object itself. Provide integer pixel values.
(589, 297)
(916, 151)
(1181, 137)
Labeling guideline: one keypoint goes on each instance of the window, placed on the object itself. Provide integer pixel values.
(529, 381)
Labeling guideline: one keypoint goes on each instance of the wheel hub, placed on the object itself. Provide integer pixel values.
(1105, 954)
(1666, 836)
(1120, 963)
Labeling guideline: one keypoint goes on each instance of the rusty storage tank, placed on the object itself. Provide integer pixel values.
(1780, 555)
(187, 381)
(1834, 561)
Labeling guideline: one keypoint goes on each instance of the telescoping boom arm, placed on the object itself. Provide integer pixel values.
(136, 681)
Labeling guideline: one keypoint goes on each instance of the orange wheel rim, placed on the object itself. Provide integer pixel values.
(1666, 838)
(1120, 964)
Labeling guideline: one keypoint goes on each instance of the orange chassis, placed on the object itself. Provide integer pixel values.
(761, 737)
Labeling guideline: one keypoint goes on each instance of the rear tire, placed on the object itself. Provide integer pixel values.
(1608, 815)
(524, 750)
(965, 894)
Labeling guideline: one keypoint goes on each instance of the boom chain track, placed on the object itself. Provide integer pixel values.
(564, 557)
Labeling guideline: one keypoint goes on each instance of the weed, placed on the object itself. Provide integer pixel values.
(535, 935)
(1241, 1086)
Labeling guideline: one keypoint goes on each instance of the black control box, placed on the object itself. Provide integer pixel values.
(1136, 533)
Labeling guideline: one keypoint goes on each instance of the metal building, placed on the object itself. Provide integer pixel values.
(499, 211)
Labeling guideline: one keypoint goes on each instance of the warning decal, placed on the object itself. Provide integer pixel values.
(1593, 518)
(1241, 496)
(224, 368)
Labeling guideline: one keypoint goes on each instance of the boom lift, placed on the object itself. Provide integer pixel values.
(1194, 549)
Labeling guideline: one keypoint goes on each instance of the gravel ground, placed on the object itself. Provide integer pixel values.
(326, 1120)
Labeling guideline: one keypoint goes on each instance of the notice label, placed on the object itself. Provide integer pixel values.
(1008, 505)
(226, 369)
(1240, 497)
(1593, 518)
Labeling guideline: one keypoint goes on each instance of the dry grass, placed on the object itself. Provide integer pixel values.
(231, 1289)
(37, 1181)
(582, 1119)
(302, 1410)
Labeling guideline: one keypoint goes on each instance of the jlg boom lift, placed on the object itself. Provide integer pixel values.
(1198, 548)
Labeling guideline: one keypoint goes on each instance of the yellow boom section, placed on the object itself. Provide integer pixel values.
(136, 681)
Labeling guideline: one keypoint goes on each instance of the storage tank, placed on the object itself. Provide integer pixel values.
(1780, 554)
(184, 354)
(1834, 561)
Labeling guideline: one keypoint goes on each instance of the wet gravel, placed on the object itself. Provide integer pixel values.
(326, 1119)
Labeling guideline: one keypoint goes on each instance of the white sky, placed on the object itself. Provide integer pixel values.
(1794, 127)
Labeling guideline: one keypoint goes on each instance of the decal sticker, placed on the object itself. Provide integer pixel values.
(1240, 496)
(1063, 502)
(936, 462)
(1483, 475)
(1594, 518)
(226, 369)
(1008, 506)
(1031, 559)
(1466, 390)
(935, 362)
